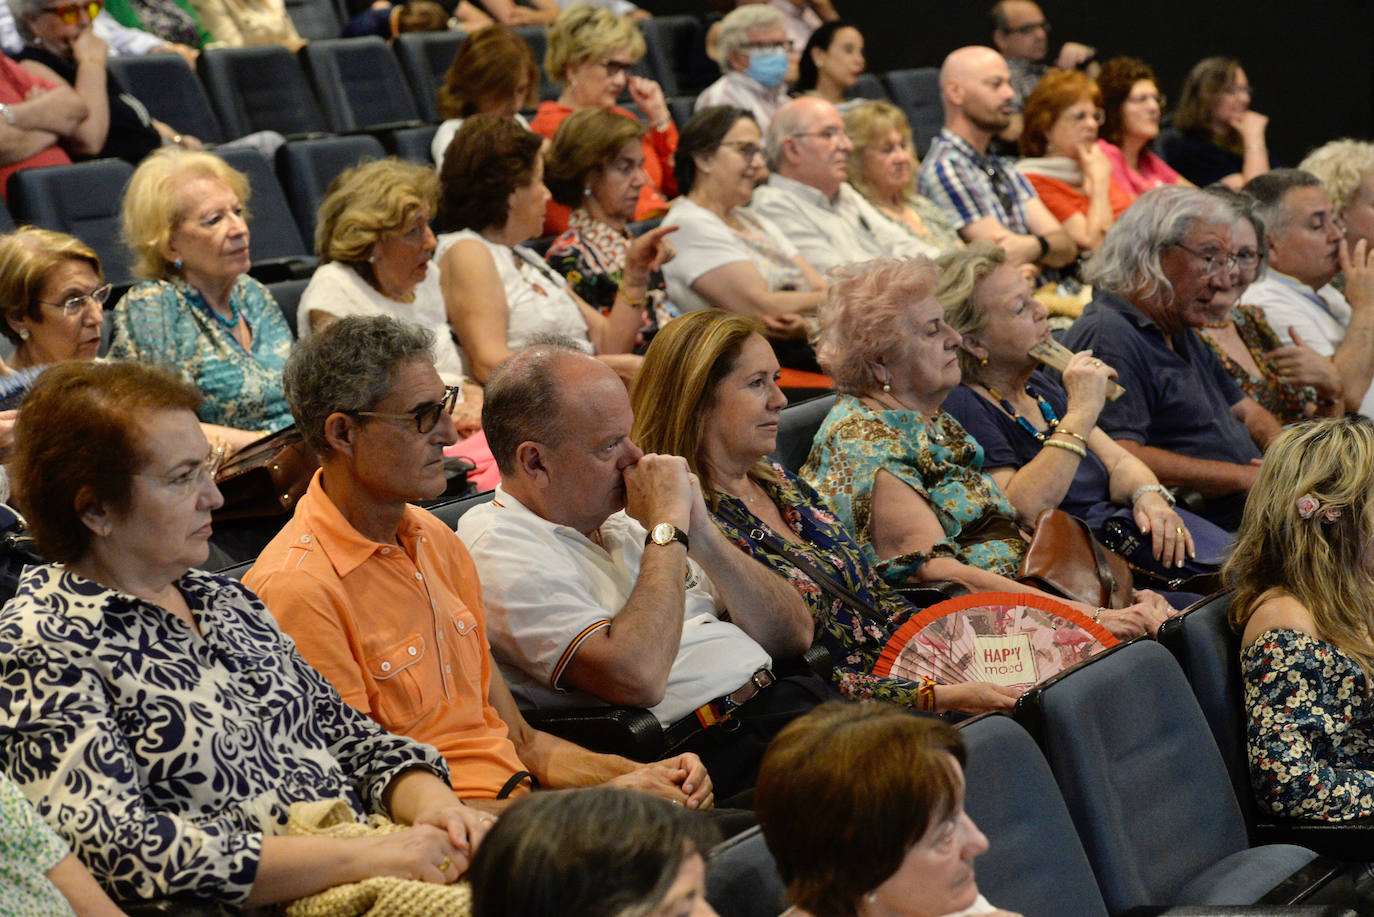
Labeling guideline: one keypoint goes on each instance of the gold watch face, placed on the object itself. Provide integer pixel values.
(663, 533)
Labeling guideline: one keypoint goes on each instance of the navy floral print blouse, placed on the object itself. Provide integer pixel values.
(163, 756)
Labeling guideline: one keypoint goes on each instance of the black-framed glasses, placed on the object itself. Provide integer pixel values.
(1213, 262)
(1029, 28)
(426, 416)
(618, 67)
(75, 305)
(70, 13)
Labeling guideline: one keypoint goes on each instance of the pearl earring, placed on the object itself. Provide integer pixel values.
(23, 334)
(586, 192)
(887, 386)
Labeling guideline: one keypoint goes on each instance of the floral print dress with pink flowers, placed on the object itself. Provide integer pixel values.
(854, 642)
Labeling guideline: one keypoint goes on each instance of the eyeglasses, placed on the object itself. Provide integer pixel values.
(70, 13)
(786, 45)
(746, 150)
(618, 67)
(1029, 28)
(75, 305)
(1213, 262)
(182, 483)
(1241, 90)
(1158, 98)
(829, 134)
(426, 416)
(1248, 259)
(1095, 116)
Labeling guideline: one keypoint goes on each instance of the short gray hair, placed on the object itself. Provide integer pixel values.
(349, 366)
(1268, 191)
(22, 9)
(734, 29)
(789, 120)
(521, 401)
(1128, 263)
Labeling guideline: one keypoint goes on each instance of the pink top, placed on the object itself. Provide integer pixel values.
(1152, 173)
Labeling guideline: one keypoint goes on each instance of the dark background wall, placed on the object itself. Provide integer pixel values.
(1311, 62)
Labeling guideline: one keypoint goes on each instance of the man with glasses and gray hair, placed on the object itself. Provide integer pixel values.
(753, 51)
(1166, 267)
(383, 599)
(809, 198)
(1307, 249)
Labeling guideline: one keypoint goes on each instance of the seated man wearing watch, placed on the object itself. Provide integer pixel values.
(382, 598)
(606, 580)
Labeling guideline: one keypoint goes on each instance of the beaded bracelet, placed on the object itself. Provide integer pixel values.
(1072, 447)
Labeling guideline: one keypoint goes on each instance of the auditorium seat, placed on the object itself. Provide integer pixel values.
(317, 19)
(797, 426)
(868, 86)
(81, 199)
(425, 58)
(681, 108)
(287, 293)
(170, 90)
(412, 143)
(308, 166)
(261, 88)
(675, 47)
(359, 84)
(742, 880)
(917, 93)
(279, 250)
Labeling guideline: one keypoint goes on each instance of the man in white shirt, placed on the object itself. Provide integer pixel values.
(605, 579)
(808, 198)
(753, 51)
(1307, 249)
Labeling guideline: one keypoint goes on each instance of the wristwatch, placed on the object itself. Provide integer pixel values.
(7, 113)
(666, 533)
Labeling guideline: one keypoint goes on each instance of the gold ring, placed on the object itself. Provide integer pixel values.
(1179, 529)
(445, 864)
(1097, 362)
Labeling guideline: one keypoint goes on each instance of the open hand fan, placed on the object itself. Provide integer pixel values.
(15, 386)
(1008, 638)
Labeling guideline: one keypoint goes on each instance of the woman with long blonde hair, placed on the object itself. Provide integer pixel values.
(1303, 575)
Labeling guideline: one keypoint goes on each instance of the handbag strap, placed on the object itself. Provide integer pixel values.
(1105, 578)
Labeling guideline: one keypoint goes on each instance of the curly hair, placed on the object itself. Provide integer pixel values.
(587, 141)
(1118, 77)
(370, 201)
(1058, 90)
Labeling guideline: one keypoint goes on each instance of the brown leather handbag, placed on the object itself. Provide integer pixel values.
(1064, 559)
(266, 477)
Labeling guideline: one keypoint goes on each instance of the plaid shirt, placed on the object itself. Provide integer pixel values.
(970, 186)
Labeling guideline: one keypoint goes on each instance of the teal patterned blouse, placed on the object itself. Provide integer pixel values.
(168, 322)
(939, 460)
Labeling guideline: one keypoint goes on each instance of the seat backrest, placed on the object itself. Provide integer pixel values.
(449, 513)
(273, 233)
(287, 293)
(675, 47)
(1137, 766)
(308, 166)
(315, 19)
(538, 39)
(413, 143)
(917, 93)
(359, 83)
(682, 108)
(797, 426)
(261, 88)
(82, 200)
(425, 58)
(741, 879)
(868, 86)
(170, 90)
(1035, 863)
(1208, 651)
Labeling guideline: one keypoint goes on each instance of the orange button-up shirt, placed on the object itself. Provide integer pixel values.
(399, 631)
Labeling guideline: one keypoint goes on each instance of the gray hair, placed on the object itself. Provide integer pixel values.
(789, 120)
(22, 10)
(1268, 191)
(734, 29)
(1128, 263)
(521, 401)
(349, 366)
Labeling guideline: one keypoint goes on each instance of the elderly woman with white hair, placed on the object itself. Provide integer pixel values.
(1168, 266)
(1345, 169)
(753, 51)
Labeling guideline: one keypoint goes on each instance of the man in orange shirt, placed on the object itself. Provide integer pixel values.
(382, 598)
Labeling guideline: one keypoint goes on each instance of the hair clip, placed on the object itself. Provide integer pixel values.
(1308, 506)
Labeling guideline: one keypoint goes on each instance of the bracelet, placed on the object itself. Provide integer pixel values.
(1044, 246)
(925, 697)
(1073, 434)
(661, 126)
(1097, 615)
(1153, 489)
(1072, 447)
(634, 303)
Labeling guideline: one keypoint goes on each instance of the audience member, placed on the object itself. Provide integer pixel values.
(38, 871)
(1017, 412)
(123, 40)
(897, 841)
(1021, 35)
(806, 195)
(494, 72)
(500, 295)
(41, 122)
(42, 268)
(521, 12)
(160, 702)
(984, 195)
(591, 52)
(1302, 603)
(801, 18)
(1291, 382)
(359, 575)
(831, 62)
(901, 474)
(709, 393)
(607, 582)
(882, 169)
(1063, 162)
(1345, 169)
(240, 23)
(197, 309)
(752, 52)
(1167, 267)
(173, 21)
(1218, 136)
(595, 167)
(590, 854)
(730, 257)
(387, 20)
(1132, 107)
(1307, 249)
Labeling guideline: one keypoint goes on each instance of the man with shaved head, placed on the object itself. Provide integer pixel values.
(809, 199)
(984, 195)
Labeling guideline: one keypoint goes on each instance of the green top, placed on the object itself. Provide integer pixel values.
(124, 13)
(28, 849)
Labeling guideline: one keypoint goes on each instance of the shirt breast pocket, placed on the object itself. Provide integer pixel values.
(406, 679)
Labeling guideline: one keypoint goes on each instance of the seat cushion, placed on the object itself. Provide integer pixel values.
(1245, 876)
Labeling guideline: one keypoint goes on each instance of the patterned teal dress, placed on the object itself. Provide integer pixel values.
(1310, 731)
(854, 642)
(168, 322)
(28, 849)
(944, 467)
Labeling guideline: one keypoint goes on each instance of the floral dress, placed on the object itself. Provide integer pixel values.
(854, 642)
(939, 460)
(1310, 731)
(28, 849)
(1286, 403)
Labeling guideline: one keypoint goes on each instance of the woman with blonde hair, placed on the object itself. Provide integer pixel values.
(882, 166)
(494, 72)
(38, 268)
(591, 52)
(1346, 170)
(184, 220)
(1303, 575)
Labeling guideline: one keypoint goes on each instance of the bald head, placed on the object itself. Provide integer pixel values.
(975, 87)
(806, 142)
(531, 395)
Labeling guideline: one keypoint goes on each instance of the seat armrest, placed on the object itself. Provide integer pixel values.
(632, 732)
(923, 595)
(816, 661)
(1244, 910)
(1351, 841)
